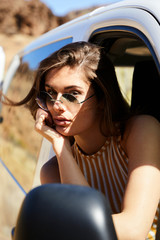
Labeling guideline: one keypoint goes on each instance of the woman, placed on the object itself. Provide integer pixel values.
(79, 108)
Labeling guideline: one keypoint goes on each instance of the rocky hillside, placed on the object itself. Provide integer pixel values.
(30, 17)
(27, 17)
(21, 21)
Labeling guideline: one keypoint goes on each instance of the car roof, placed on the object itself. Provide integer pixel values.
(146, 5)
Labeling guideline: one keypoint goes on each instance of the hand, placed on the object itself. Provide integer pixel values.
(58, 141)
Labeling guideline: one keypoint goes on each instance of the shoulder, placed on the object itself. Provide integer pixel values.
(142, 124)
(142, 134)
(50, 171)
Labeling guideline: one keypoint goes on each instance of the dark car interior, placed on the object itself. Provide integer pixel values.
(128, 50)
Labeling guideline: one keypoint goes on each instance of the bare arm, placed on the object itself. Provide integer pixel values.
(143, 190)
(50, 172)
(67, 170)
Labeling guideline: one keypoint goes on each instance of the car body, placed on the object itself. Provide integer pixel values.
(130, 32)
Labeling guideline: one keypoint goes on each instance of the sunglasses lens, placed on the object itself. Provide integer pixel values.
(43, 100)
(70, 98)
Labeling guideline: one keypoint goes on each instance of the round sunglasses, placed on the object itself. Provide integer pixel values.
(45, 100)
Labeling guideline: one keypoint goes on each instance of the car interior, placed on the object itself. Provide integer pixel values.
(128, 50)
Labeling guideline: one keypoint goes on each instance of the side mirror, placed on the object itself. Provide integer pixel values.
(58, 211)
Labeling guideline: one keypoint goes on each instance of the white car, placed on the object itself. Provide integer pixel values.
(128, 30)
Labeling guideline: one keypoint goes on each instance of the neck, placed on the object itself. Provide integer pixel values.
(91, 142)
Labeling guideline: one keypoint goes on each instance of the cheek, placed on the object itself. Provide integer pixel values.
(85, 117)
(81, 123)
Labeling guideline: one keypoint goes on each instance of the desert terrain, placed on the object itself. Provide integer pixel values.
(13, 150)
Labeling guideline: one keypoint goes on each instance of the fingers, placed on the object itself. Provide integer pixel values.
(40, 119)
(57, 140)
(42, 128)
(49, 132)
(45, 131)
(41, 112)
(43, 118)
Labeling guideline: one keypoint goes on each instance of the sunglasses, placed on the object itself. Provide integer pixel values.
(45, 100)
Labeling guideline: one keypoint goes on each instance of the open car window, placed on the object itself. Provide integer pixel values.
(17, 133)
(127, 48)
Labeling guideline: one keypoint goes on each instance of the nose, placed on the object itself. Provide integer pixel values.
(58, 106)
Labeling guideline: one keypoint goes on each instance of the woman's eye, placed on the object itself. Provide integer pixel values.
(75, 93)
(51, 92)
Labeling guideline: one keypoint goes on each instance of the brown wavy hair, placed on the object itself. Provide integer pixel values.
(99, 70)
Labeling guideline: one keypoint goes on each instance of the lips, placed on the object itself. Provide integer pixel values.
(61, 121)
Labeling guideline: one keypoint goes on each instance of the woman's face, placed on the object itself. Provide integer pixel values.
(74, 119)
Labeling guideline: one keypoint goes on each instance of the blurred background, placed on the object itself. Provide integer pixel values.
(22, 21)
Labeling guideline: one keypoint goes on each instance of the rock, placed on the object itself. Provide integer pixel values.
(27, 17)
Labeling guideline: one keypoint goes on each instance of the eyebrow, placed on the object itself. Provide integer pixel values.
(73, 86)
(66, 88)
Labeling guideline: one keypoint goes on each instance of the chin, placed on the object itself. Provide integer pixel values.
(65, 131)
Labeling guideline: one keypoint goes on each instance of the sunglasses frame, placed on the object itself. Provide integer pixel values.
(54, 100)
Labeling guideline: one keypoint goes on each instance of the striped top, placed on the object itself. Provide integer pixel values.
(107, 171)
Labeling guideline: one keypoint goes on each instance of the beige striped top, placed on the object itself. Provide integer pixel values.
(107, 171)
